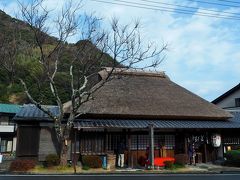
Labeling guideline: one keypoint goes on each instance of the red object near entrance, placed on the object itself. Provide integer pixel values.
(160, 161)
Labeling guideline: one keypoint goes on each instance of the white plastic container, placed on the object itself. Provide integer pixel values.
(1, 157)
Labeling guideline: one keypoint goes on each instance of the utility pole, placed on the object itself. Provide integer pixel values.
(151, 145)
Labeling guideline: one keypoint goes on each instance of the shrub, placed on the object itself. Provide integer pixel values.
(233, 158)
(168, 164)
(22, 165)
(85, 168)
(92, 161)
(178, 165)
(52, 160)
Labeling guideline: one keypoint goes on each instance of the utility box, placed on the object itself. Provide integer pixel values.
(104, 162)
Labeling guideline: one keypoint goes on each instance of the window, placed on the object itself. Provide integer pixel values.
(6, 145)
(113, 140)
(4, 120)
(141, 142)
(237, 102)
(159, 141)
(92, 143)
(164, 140)
(169, 141)
(231, 140)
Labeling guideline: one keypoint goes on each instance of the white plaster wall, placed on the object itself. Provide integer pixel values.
(6, 128)
(229, 101)
(14, 143)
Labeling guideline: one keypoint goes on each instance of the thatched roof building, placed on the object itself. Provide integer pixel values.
(151, 95)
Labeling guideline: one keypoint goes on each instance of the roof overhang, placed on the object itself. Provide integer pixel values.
(161, 124)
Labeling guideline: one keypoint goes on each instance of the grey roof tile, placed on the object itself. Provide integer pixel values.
(31, 112)
(86, 123)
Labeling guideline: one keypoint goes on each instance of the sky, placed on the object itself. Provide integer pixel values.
(203, 52)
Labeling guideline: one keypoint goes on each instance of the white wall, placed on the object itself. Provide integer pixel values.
(6, 128)
(229, 102)
(14, 143)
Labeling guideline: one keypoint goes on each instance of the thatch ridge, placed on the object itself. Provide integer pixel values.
(149, 95)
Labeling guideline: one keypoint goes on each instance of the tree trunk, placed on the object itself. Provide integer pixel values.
(64, 152)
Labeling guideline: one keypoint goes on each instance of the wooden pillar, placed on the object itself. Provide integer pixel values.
(185, 144)
(205, 153)
(205, 149)
(105, 141)
(75, 149)
(151, 146)
(129, 149)
(137, 148)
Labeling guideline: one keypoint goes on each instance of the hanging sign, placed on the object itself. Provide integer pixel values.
(216, 140)
(197, 139)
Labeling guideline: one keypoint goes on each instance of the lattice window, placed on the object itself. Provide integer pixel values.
(159, 141)
(141, 142)
(169, 141)
(231, 140)
(92, 143)
(134, 142)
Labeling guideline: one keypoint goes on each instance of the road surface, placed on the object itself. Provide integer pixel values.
(125, 177)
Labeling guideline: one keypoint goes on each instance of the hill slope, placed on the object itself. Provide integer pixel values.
(13, 30)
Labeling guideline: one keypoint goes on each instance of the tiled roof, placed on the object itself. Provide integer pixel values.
(31, 112)
(9, 108)
(236, 115)
(233, 122)
(171, 124)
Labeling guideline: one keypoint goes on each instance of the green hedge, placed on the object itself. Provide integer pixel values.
(233, 158)
(169, 164)
(52, 160)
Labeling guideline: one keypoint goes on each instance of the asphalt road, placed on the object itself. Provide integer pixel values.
(125, 177)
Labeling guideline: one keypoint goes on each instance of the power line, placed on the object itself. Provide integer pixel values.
(164, 9)
(175, 9)
(213, 3)
(170, 8)
(190, 7)
(234, 2)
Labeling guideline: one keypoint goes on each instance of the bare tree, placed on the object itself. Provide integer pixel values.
(123, 43)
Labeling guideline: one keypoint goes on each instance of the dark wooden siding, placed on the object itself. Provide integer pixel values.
(28, 141)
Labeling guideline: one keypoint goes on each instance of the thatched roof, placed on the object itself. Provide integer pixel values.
(152, 95)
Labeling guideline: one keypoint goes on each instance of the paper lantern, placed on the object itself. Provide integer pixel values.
(216, 140)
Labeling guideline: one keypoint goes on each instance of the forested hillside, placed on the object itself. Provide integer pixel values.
(16, 43)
